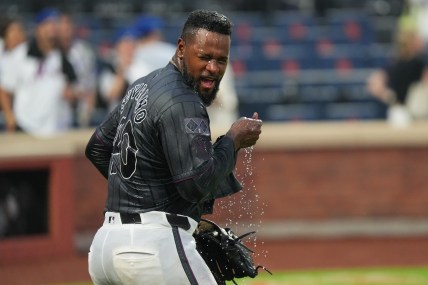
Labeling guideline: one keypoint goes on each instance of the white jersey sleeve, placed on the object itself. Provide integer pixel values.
(10, 65)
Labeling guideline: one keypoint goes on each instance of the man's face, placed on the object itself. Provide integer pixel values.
(125, 51)
(47, 31)
(204, 60)
(15, 34)
(65, 29)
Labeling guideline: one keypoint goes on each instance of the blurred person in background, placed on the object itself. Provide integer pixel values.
(415, 16)
(114, 76)
(40, 79)
(151, 51)
(392, 84)
(83, 60)
(13, 34)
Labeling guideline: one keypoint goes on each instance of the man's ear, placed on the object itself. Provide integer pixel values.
(181, 47)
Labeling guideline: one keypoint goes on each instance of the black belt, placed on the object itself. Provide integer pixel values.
(173, 220)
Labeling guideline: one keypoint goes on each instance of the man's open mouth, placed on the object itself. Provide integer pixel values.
(207, 83)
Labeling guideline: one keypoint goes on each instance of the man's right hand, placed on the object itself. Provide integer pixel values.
(246, 131)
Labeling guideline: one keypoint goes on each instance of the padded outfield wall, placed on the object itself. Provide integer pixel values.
(364, 184)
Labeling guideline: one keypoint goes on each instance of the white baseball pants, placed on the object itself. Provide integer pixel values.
(150, 252)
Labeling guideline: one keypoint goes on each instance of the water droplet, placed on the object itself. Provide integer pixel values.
(246, 208)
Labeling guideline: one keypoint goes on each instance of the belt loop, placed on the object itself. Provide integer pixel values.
(178, 221)
(130, 218)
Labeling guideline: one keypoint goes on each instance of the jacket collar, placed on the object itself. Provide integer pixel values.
(34, 51)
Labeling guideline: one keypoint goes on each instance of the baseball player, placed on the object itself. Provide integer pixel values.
(163, 171)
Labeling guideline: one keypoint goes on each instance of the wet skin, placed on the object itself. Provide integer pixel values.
(203, 59)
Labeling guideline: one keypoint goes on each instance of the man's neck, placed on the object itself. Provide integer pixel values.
(176, 62)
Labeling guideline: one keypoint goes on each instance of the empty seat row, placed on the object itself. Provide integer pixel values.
(297, 112)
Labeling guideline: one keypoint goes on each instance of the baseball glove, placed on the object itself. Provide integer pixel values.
(224, 253)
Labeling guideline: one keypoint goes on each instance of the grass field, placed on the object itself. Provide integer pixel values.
(376, 276)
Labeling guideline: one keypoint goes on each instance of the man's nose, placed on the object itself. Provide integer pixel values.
(212, 66)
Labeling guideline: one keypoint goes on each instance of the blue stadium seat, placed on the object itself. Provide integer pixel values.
(260, 95)
(286, 18)
(355, 111)
(299, 51)
(312, 93)
(263, 64)
(344, 63)
(380, 54)
(252, 18)
(247, 109)
(354, 92)
(351, 27)
(294, 112)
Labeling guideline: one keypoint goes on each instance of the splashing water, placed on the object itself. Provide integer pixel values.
(244, 211)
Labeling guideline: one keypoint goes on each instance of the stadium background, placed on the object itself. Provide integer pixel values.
(294, 60)
(330, 184)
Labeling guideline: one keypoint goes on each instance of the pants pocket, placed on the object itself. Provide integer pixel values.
(137, 266)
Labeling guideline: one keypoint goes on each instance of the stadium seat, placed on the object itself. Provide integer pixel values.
(286, 18)
(294, 112)
(354, 111)
(312, 93)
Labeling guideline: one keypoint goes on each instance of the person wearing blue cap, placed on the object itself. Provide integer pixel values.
(81, 55)
(152, 52)
(114, 77)
(46, 14)
(40, 79)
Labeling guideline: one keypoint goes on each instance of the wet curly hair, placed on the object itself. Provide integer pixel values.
(211, 21)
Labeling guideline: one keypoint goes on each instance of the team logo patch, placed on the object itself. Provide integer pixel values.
(196, 126)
